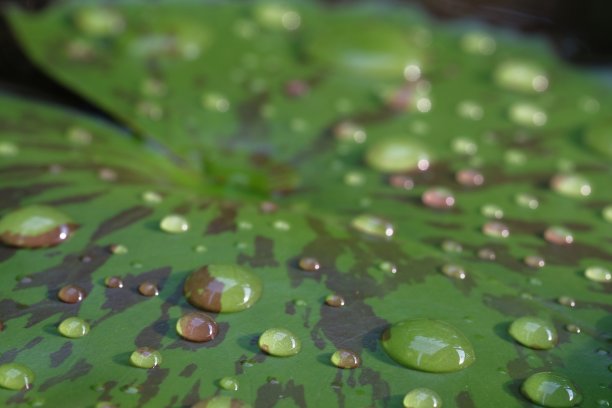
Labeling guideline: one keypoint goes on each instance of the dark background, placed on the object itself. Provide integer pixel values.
(580, 31)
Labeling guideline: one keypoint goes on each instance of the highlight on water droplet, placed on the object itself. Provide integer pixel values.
(197, 326)
(422, 398)
(558, 235)
(148, 289)
(454, 271)
(521, 76)
(571, 185)
(534, 332)
(598, 274)
(492, 211)
(527, 114)
(401, 181)
(35, 226)
(73, 327)
(428, 345)
(71, 294)
(470, 178)
(527, 201)
(534, 261)
(223, 288)
(334, 300)
(279, 342)
(15, 376)
(343, 358)
(438, 197)
(606, 213)
(229, 383)
(396, 155)
(174, 224)
(496, 229)
(551, 390)
(145, 357)
(309, 264)
(113, 282)
(373, 226)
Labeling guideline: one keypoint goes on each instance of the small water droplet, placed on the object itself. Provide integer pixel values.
(145, 357)
(397, 155)
(105, 404)
(607, 213)
(15, 376)
(401, 181)
(527, 201)
(486, 254)
(558, 235)
(428, 345)
(8, 149)
(451, 246)
(73, 327)
(153, 87)
(113, 282)
(79, 136)
(571, 185)
(477, 42)
(572, 328)
(106, 174)
(71, 294)
(343, 358)
(35, 227)
(521, 76)
(200, 248)
(221, 402)
(527, 114)
(439, 198)
(551, 390)
(422, 398)
(454, 271)
(464, 146)
(534, 332)
(566, 301)
(334, 300)
(281, 225)
(279, 342)
(130, 389)
(492, 211)
(534, 261)
(118, 249)
(354, 179)
(148, 289)
(99, 21)
(152, 197)
(350, 131)
(387, 267)
(215, 102)
(174, 224)
(598, 274)
(469, 178)
(373, 225)
(515, 157)
(470, 110)
(309, 264)
(197, 326)
(229, 383)
(496, 229)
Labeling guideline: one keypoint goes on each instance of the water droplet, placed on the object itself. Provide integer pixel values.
(229, 383)
(71, 294)
(428, 345)
(223, 288)
(486, 254)
(454, 271)
(350, 131)
(534, 261)
(354, 179)
(35, 226)
(401, 181)
(145, 357)
(465, 146)
(527, 114)
(107, 174)
(151, 197)
(422, 398)
(105, 404)
(515, 157)
(148, 289)
(478, 43)
(566, 301)
(99, 21)
(451, 246)
(73, 327)
(373, 225)
(469, 178)
(387, 267)
(279, 342)
(492, 211)
(119, 249)
(334, 300)
(15, 376)
(281, 225)
(79, 136)
(197, 326)
(470, 110)
(527, 201)
(221, 402)
(607, 213)
(8, 149)
(558, 235)
(174, 224)
(215, 102)
(397, 155)
(343, 358)
(113, 282)
(521, 76)
(572, 328)
(309, 264)
(598, 274)
(534, 332)
(571, 185)
(130, 389)
(496, 229)
(439, 198)
(551, 390)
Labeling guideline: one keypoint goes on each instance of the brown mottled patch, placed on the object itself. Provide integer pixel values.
(269, 393)
(225, 221)
(121, 220)
(79, 369)
(264, 254)
(59, 356)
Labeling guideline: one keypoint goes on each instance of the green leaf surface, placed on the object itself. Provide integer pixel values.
(234, 106)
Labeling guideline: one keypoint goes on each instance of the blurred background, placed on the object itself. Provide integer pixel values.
(579, 30)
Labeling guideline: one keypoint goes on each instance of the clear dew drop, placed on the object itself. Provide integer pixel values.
(571, 185)
(439, 198)
(598, 274)
(496, 229)
(73, 327)
(8, 149)
(551, 390)
(334, 300)
(15, 376)
(148, 289)
(527, 201)
(98, 21)
(454, 271)
(309, 264)
(451, 246)
(229, 383)
(174, 224)
(113, 282)
(354, 179)
(71, 294)
(215, 102)
(343, 358)
(35, 226)
(527, 114)
(566, 301)
(422, 398)
(152, 197)
(464, 146)
(558, 235)
(79, 136)
(118, 249)
(279, 342)
(197, 326)
(515, 157)
(145, 357)
(492, 211)
(470, 178)
(534, 332)
(534, 261)
(396, 155)
(373, 226)
(521, 76)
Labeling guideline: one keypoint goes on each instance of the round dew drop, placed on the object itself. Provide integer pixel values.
(397, 155)
(279, 342)
(598, 274)
(174, 224)
(309, 264)
(373, 226)
(345, 359)
(534, 332)
(422, 398)
(229, 383)
(145, 357)
(197, 326)
(551, 390)
(15, 376)
(73, 327)
(71, 294)
(35, 226)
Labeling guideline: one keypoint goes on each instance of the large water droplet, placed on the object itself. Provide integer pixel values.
(551, 390)
(197, 326)
(223, 288)
(534, 332)
(422, 398)
(15, 376)
(598, 274)
(71, 294)
(279, 342)
(145, 357)
(345, 359)
(373, 225)
(571, 185)
(35, 226)
(229, 383)
(174, 224)
(221, 402)
(73, 327)
(428, 345)
(397, 155)
(521, 76)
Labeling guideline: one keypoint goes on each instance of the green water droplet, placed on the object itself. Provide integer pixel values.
(152, 197)
(229, 383)
(527, 201)
(470, 110)
(464, 146)
(119, 249)
(223, 288)
(492, 211)
(334, 300)
(8, 149)
(534, 332)
(37, 402)
(215, 102)
(397, 155)
(281, 225)
(79, 136)
(566, 301)
(515, 157)
(35, 226)
(15, 376)
(388, 267)
(607, 213)
(478, 43)
(571, 185)
(598, 274)
(73, 327)
(452, 246)
(373, 225)
(99, 21)
(347, 131)
(221, 402)
(496, 229)
(454, 271)
(527, 114)
(558, 235)
(354, 179)
(343, 358)
(572, 328)
(279, 342)
(422, 398)
(469, 178)
(551, 390)
(145, 357)
(521, 76)
(174, 224)
(428, 345)
(130, 389)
